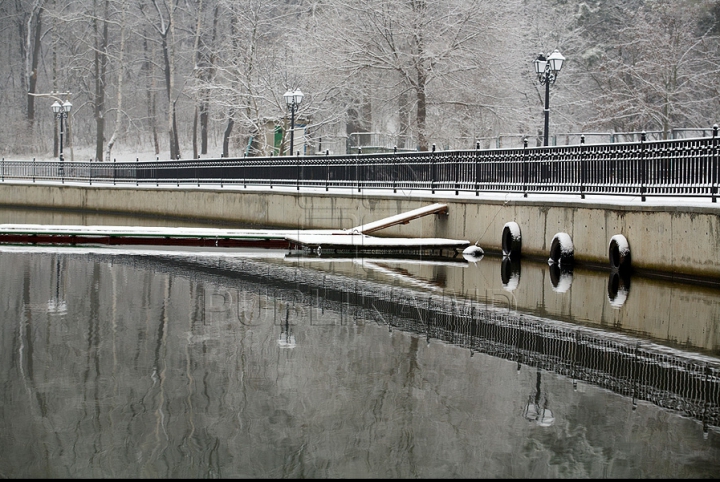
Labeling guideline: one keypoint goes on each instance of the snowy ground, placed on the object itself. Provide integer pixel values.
(121, 154)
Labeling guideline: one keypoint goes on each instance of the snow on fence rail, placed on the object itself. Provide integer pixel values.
(679, 167)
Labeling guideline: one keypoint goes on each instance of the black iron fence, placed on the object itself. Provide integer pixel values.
(681, 167)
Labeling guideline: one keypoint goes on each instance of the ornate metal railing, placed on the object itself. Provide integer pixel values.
(681, 167)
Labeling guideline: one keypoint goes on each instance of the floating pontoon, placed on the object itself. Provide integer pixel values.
(314, 239)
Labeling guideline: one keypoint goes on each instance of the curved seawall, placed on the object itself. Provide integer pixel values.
(671, 239)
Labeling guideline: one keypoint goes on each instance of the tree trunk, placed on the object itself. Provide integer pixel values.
(56, 143)
(101, 59)
(194, 134)
(150, 93)
(34, 31)
(205, 93)
(118, 113)
(204, 116)
(421, 117)
(226, 135)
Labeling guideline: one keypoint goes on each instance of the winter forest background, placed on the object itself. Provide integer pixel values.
(201, 78)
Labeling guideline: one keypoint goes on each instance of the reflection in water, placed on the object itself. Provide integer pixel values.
(561, 277)
(174, 365)
(473, 257)
(287, 339)
(57, 304)
(536, 408)
(510, 272)
(618, 287)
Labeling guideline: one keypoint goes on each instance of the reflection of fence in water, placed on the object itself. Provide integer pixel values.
(644, 371)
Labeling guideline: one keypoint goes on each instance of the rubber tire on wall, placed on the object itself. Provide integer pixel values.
(559, 253)
(618, 259)
(510, 244)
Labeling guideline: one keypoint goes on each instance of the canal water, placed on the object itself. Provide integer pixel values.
(148, 362)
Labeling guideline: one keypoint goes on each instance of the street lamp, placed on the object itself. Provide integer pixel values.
(61, 112)
(547, 69)
(293, 99)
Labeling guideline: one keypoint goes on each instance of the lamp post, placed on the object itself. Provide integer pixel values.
(61, 112)
(547, 69)
(293, 99)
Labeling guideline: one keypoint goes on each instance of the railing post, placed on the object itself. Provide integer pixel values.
(525, 166)
(157, 173)
(714, 165)
(3, 169)
(642, 166)
(33, 169)
(477, 169)
(298, 172)
(137, 179)
(457, 173)
(114, 170)
(327, 170)
(394, 170)
(432, 170)
(244, 171)
(357, 167)
(90, 175)
(582, 166)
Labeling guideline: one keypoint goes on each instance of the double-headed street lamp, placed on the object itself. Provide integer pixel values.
(547, 69)
(61, 112)
(293, 99)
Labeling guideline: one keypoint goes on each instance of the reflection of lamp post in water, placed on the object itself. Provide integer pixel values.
(287, 339)
(536, 407)
(57, 305)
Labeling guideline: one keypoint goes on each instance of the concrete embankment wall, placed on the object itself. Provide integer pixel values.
(678, 241)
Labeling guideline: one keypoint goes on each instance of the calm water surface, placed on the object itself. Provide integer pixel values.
(150, 363)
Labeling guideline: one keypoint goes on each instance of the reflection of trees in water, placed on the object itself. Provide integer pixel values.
(642, 371)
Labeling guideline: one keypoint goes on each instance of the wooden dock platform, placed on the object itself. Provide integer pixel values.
(355, 238)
